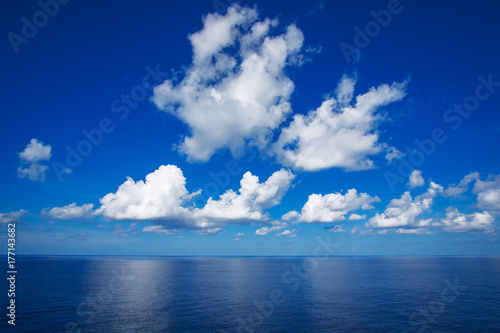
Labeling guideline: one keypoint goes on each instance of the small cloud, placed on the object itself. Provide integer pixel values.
(286, 233)
(356, 217)
(416, 231)
(35, 172)
(333, 207)
(240, 234)
(12, 217)
(292, 215)
(35, 151)
(158, 229)
(70, 212)
(392, 153)
(32, 158)
(416, 179)
(275, 226)
(355, 229)
(209, 232)
(337, 228)
(314, 50)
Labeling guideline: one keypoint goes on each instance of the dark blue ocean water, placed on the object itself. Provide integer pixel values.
(234, 294)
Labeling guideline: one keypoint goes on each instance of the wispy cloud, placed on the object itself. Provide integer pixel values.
(12, 216)
(70, 212)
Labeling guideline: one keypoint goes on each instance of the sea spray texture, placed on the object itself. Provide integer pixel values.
(208, 294)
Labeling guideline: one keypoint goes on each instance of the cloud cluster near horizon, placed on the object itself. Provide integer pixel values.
(164, 200)
(405, 214)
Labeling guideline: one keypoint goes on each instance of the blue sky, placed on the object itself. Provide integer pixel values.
(251, 128)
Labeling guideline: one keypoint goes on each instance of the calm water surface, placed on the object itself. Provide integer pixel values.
(246, 294)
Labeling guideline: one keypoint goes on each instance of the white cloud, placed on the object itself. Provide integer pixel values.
(219, 31)
(249, 204)
(35, 172)
(493, 182)
(392, 153)
(228, 100)
(415, 231)
(337, 228)
(338, 133)
(489, 199)
(240, 234)
(235, 93)
(160, 196)
(32, 158)
(403, 212)
(158, 229)
(355, 229)
(459, 222)
(35, 151)
(416, 179)
(12, 217)
(488, 193)
(333, 207)
(70, 212)
(462, 187)
(286, 233)
(163, 199)
(275, 226)
(357, 217)
(291, 215)
(209, 231)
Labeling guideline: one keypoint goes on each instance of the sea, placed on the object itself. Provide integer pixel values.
(253, 294)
